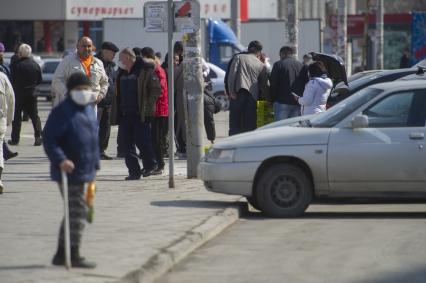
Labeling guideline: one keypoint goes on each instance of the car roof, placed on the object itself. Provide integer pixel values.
(400, 85)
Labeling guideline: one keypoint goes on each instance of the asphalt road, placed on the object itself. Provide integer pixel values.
(331, 244)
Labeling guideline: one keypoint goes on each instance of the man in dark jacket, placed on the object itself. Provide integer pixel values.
(70, 140)
(137, 89)
(106, 55)
(287, 76)
(405, 61)
(26, 75)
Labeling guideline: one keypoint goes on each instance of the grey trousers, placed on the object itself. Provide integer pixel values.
(78, 214)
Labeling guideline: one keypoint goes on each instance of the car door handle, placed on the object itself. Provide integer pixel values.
(417, 136)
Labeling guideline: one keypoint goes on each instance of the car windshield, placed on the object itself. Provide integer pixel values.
(50, 67)
(341, 110)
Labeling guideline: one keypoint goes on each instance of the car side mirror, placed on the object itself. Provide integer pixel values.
(359, 122)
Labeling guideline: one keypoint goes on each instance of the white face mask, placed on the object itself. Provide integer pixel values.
(83, 97)
(121, 65)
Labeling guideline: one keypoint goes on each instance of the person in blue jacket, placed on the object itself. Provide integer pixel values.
(70, 139)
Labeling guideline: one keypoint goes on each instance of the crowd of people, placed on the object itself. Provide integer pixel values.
(91, 95)
(295, 88)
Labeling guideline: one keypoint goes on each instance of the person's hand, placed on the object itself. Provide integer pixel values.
(98, 99)
(233, 96)
(67, 166)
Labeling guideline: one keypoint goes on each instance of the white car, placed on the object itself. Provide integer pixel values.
(48, 69)
(217, 77)
(371, 145)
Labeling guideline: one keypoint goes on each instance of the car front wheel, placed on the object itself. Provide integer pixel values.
(284, 190)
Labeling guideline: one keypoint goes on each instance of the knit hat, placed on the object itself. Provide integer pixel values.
(2, 49)
(78, 79)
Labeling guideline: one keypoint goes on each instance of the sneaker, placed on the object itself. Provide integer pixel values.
(38, 142)
(133, 177)
(11, 142)
(147, 173)
(157, 172)
(105, 157)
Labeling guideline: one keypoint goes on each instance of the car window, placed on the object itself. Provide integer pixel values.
(50, 67)
(340, 111)
(404, 109)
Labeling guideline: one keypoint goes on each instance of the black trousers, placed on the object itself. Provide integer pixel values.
(242, 113)
(104, 119)
(29, 105)
(160, 129)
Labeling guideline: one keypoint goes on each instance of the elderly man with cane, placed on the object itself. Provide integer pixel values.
(71, 142)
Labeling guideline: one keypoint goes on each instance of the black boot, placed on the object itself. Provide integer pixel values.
(59, 257)
(78, 261)
(7, 153)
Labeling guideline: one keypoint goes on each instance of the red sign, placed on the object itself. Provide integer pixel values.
(356, 23)
(101, 11)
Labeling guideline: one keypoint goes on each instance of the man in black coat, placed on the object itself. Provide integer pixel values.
(106, 55)
(26, 75)
(287, 76)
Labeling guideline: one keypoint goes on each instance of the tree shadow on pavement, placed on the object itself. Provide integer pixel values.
(193, 203)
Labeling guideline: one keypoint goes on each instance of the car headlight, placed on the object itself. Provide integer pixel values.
(220, 155)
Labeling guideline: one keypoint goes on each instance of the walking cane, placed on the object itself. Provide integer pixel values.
(67, 221)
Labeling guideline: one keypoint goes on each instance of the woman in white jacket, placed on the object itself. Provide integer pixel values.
(317, 90)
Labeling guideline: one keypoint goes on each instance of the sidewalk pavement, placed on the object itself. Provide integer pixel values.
(134, 220)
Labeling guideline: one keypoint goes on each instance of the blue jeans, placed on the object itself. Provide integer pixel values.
(285, 111)
(134, 132)
(242, 113)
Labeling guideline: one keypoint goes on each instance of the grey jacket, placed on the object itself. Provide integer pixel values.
(70, 65)
(244, 73)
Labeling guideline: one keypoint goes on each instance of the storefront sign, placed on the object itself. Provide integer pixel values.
(93, 10)
(96, 10)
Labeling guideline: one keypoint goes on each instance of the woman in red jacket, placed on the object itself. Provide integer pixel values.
(160, 125)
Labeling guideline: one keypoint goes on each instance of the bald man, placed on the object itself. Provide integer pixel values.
(82, 61)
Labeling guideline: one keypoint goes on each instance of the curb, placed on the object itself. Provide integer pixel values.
(171, 255)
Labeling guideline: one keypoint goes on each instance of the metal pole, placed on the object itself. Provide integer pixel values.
(236, 18)
(67, 221)
(292, 24)
(171, 80)
(342, 30)
(380, 33)
(193, 91)
(282, 9)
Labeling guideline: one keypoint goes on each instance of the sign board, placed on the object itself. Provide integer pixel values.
(93, 10)
(155, 16)
(186, 16)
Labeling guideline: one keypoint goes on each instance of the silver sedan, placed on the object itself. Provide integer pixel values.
(371, 145)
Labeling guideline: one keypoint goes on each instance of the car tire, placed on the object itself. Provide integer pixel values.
(253, 202)
(284, 190)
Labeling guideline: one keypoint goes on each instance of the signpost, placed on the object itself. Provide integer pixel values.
(169, 16)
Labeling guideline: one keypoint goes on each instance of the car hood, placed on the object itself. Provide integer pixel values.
(290, 136)
(334, 64)
(286, 122)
